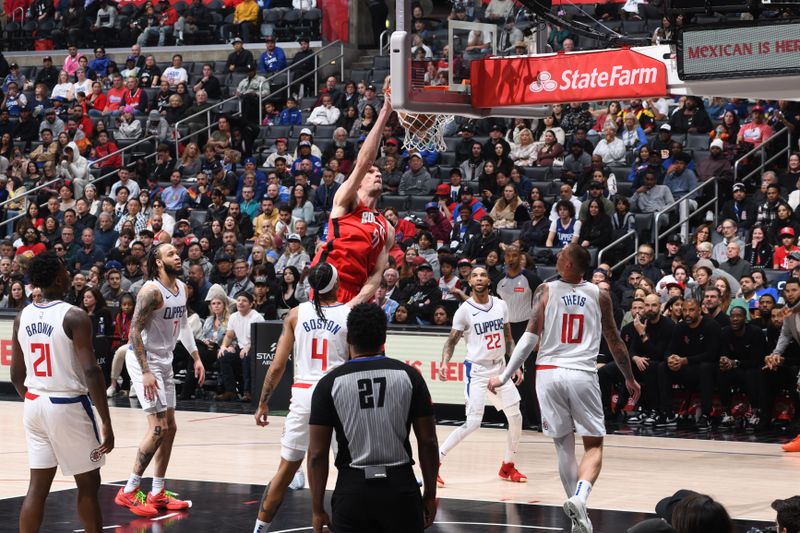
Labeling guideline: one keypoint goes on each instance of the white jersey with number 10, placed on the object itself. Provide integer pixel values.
(483, 329)
(572, 326)
(319, 345)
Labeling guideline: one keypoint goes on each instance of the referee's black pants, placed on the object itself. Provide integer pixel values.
(529, 404)
(391, 505)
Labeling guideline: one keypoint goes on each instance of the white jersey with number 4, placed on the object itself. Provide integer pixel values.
(50, 361)
(483, 329)
(319, 345)
(161, 334)
(572, 326)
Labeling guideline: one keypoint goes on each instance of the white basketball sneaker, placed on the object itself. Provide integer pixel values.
(298, 481)
(575, 509)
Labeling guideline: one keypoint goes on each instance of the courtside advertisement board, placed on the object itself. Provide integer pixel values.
(761, 49)
(6, 327)
(575, 77)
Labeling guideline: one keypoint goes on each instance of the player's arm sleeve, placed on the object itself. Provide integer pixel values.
(522, 350)
(186, 336)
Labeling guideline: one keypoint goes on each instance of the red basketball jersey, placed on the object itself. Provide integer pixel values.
(354, 243)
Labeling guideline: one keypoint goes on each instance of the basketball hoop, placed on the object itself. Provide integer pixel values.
(424, 131)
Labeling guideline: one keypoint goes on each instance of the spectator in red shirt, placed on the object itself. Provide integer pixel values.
(106, 147)
(32, 243)
(757, 131)
(97, 101)
(115, 96)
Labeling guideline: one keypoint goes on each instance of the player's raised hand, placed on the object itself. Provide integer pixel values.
(199, 372)
(634, 389)
(150, 385)
(494, 382)
(261, 414)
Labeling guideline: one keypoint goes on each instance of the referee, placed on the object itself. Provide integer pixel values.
(516, 289)
(372, 401)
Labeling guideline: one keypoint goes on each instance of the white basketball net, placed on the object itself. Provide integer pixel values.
(424, 131)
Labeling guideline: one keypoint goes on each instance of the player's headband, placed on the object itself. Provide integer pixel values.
(332, 282)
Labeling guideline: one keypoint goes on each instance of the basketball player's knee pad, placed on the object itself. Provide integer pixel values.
(472, 423)
(291, 454)
(513, 412)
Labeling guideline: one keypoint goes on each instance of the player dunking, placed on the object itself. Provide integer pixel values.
(573, 311)
(483, 321)
(159, 321)
(316, 332)
(359, 237)
(53, 366)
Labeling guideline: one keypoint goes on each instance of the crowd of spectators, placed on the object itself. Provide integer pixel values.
(246, 205)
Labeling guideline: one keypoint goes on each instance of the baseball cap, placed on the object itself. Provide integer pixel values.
(392, 141)
(717, 143)
(464, 262)
(154, 115)
(424, 266)
(294, 237)
(280, 140)
(757, 108)
(677, 284)
(675, 239)
(46, 58)
(795, 256)
(306, 131)
(431, 205)
(414, 154)
(467, 128)
(788, 230)
(665, 127)
(113, 264)
(131, 58)
(443, 189)
(466, 190)
(225, 257)
(497, 127)
(249, 160)
(183, 221)
(370, 87)
(304, 143)
(261, 280)
(237, 40)
(738, 187)
(13, 66)
(665, 507)
(602, 271)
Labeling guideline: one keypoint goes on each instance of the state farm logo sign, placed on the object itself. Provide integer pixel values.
(615, 74)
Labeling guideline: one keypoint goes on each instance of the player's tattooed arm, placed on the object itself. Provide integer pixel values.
(282, 352)
(618, 349)
(447, 351)
(147, 301)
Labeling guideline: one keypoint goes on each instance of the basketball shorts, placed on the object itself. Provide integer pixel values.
(164, 397)
(570, 399)
(61, 431)
(347, 292)
(294, 440)
(476, 393)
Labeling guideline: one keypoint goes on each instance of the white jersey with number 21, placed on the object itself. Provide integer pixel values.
(483, 329)
(572, 326)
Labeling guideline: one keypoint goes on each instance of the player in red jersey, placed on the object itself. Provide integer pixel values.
(359, 237)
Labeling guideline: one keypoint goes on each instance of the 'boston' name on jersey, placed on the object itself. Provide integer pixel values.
(319, 323)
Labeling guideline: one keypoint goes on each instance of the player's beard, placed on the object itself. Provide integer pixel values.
(480, 289)
(170, 270)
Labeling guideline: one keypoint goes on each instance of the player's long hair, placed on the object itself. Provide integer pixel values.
(152, 266)
(318, 278)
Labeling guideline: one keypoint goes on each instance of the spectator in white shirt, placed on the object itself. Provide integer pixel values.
(611, 148)
(175, 73)
(64, 88)
(238, 331)
(326, 114)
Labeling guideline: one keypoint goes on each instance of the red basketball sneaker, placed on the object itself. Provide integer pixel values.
(136, 501)
(509, 473)
(793, 445)
(167, 500)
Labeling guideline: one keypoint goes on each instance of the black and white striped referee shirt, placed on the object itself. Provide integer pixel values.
(517, 293)
(371, 402)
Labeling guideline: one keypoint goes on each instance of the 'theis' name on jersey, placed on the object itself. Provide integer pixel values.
(574, 299)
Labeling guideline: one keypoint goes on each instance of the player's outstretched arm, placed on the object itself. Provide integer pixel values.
(528, 340)
(147, 301)
(277, 367)
(18, 370)
(447, 351)
(367, 292)
(78, 327)
(345, 196)
(615, 344)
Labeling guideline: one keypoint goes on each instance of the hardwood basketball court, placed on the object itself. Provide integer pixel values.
(232, 459)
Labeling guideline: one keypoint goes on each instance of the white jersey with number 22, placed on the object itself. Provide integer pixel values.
(483, 329)
(572, 326)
